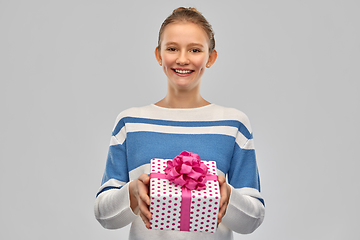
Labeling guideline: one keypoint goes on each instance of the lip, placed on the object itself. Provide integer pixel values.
(183, 72)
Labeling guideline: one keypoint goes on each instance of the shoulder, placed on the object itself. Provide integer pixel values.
(133, 112)
(228, 113)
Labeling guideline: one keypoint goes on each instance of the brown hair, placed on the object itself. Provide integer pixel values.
(190, 14)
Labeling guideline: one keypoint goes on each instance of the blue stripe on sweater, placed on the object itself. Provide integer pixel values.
(116, 164)
(230, 123)
(143, 146)
(107, 188)
(244, 172)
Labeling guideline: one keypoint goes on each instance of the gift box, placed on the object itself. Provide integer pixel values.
(178, 202)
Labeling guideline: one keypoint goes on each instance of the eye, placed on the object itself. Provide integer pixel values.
(171, 49)
(195, 50)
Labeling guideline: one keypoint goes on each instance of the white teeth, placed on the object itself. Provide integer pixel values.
(182, 71)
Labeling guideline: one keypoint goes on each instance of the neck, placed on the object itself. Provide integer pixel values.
(182, 99)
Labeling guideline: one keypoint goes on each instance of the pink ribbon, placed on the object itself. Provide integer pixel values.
(185, 190)
(187, 170)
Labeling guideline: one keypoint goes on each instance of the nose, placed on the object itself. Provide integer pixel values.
(182, 58)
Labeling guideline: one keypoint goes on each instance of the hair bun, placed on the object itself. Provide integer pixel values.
(180, 9)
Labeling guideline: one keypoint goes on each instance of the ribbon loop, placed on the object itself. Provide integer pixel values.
(187, 170)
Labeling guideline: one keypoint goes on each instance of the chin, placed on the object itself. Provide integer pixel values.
(185, 87)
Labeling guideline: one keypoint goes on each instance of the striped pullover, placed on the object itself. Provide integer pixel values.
(213, 132)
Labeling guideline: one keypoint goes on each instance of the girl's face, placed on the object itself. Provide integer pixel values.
(184, 54)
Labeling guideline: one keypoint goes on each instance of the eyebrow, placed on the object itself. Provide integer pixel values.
(190, 45)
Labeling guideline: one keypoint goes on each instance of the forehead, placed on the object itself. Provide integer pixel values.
(184, 33)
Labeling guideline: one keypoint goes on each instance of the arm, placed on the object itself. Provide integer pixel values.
(244, 213)
(112, 206)
(117, 208)
(245, 210)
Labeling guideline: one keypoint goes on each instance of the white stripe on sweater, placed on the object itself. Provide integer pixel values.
(241, 140)
(112, 183)
(141, 127)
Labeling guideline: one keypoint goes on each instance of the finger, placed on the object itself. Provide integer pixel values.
(145, 220)
(144, 181)
(223, 194)
(143, 192)
(222, 182)
(144, 209)
(224, 198)
(144, 178)
(221, 179)
(222, 212)
(220, 217)
(147, 225)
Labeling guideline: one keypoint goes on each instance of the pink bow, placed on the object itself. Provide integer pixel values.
(187, 170)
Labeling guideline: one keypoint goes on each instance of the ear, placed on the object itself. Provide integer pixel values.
(212, 58)
(158, 56)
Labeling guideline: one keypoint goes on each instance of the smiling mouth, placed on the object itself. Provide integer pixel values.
(181, 71)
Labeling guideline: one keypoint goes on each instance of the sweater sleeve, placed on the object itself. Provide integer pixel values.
(246, 208)
(112, 205)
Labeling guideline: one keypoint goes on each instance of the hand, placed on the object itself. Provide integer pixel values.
(225, 191)
(139, 197)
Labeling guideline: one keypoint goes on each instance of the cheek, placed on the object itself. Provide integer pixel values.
(168, 61)
(166, 69)
(200, 62)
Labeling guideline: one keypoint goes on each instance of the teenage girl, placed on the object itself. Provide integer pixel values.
(182, 120)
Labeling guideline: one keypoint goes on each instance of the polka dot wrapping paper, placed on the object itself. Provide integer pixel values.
(167, 198)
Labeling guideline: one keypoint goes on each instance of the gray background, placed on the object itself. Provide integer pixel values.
(67, 68)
